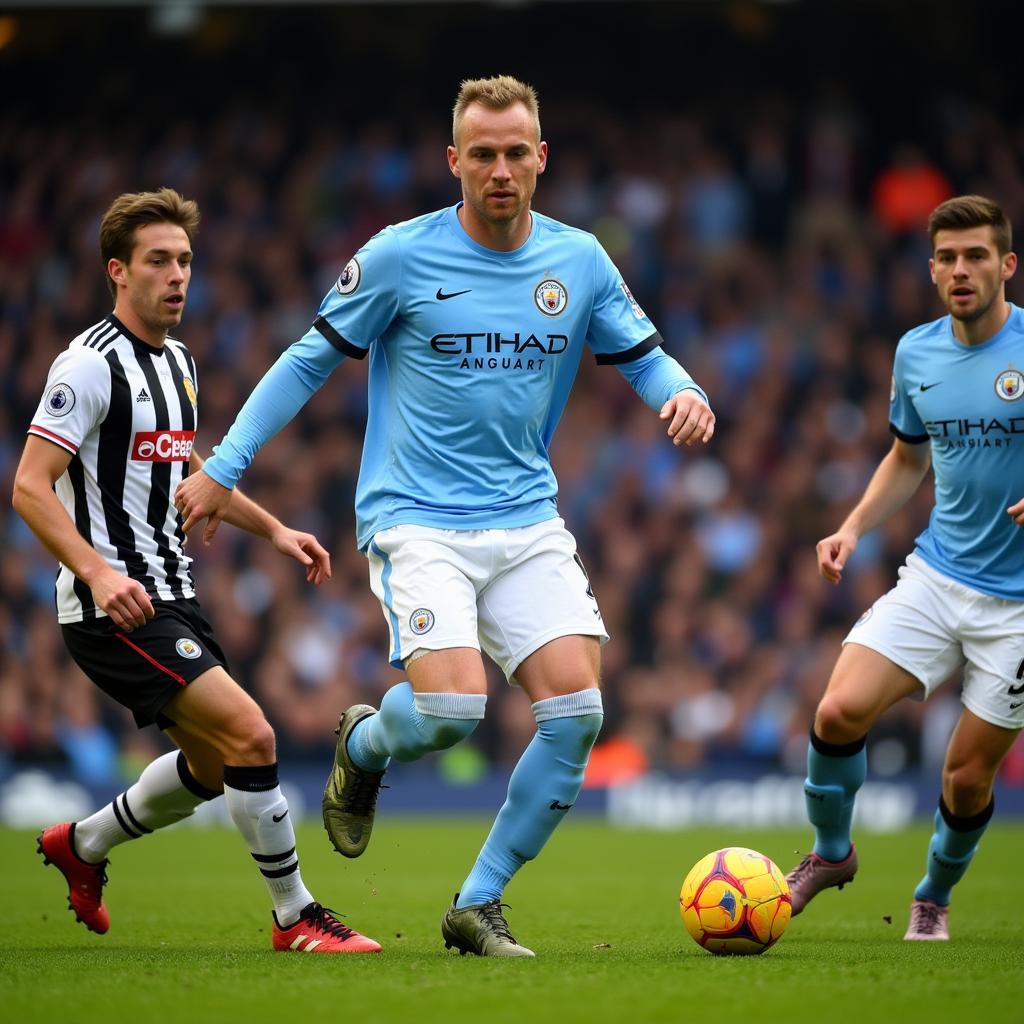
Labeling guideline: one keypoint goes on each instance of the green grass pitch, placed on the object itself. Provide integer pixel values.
(189, 940)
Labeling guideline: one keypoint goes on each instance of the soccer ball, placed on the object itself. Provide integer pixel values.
(735, 901)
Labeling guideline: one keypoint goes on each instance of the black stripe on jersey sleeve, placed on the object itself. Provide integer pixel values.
(113, 452)
(76, 474)
(160, 476)
(618, 358)
(344, 347)
(909, 438)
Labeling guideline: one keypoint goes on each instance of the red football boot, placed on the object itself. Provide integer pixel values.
(319, 931)
(85, 880)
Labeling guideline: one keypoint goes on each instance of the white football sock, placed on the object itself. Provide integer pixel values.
(165, 792)
(260, 812)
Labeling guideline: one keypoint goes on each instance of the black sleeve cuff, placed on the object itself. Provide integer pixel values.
(618, 358)
(346, 348)
(909, 438)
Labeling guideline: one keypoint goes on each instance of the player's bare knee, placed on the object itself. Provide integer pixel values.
(836, 722)
(252, 742)
(967, 789)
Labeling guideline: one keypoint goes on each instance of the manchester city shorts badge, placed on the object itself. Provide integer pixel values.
(188, 648)
(421, 621)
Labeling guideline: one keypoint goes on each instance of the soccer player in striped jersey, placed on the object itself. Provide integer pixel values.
(475, 319)
(111, 438)
(957, 404)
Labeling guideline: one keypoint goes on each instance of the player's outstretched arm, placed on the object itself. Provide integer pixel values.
(125, 600)
(276, 399)
(690, 418)
(898, 476)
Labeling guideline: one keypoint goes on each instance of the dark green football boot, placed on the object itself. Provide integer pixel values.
(350, 796)
(481, 929)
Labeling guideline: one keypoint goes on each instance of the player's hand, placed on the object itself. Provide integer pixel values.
(200, 497)
(834, 552)
(690, 418)
(304, 548)
(125, 600)
(1016, 512)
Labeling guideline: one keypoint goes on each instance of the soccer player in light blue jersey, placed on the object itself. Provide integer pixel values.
(475, 319)
(957, 404)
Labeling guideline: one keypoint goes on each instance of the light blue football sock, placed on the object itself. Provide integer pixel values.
(411, 724)
(543, 786)
(951, 849)
(834, 774)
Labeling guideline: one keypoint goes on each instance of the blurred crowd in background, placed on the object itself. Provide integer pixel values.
(779, 246)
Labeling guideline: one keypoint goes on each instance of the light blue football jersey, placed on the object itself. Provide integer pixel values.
(472, 356)
(968, 400)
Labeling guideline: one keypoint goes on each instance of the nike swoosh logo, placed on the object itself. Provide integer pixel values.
(451, 295)
(556, 806)
(928, 387)
(280, 817)
(1017, 705)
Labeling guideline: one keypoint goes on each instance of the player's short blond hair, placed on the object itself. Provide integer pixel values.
(497, 93)
(134, 210)
(963, 212)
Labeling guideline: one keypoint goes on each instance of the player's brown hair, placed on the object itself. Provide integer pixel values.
(134, 210)
(497, 93)
(962, 212)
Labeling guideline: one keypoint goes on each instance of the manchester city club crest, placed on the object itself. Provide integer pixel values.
(1009, 385)
(421, 621)
(348, 282)
(551, 297)
(60, 400)
(188, 648)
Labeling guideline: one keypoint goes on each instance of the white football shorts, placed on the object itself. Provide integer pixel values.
(931, 626)
(505, 592)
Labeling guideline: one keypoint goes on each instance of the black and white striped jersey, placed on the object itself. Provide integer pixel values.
(127, 413)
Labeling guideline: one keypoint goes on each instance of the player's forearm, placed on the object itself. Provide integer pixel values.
(656, 377)
(242, 512)
(247, 515)
(274, 402)
(46, 517)
(890, 488)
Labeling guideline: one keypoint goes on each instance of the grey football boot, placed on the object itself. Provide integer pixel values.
(350, 796)
(481, 929)
(814, 874)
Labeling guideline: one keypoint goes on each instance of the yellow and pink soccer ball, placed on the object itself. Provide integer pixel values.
(735, 901)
